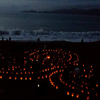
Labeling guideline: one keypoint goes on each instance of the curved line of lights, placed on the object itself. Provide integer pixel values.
(53, 69)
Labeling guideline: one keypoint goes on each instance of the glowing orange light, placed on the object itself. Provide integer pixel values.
(74, 75)
(83, 65)
(42, 70)
(15, 78)
(72, 94)
(86, 87)
(24, 69)
(53, 85)
(69, 62)
(32, 72)
(25, 72)
(0, 77)
(77, 64)
(12, 67)
(30, 78)
(90, 71)
(21, 78)
(63, 82)
(42, 77)
(88, 92)
(46, 76)
(96, 85)
(28, 72)
(45, 69)
(3, 71)
(82, 91)
(48, 68)
(81, 85)
(87, 97)
(65, 66)
(83, 82)
(73, 87)
(85, 75)
(30, 67)
(91, 66)
(77, 96)
(2, 68)
(18, 66)
(68, 93)
(24, 62)
(96, 94)
(57, 66)
(42, 63)
(70, 85)
(73, 63)
(25, 78)
(48, 57)
(66, 84)
(89, 76)
(38, 77)
(0, 71)
(34, 56)
(6, 72)
(2, 57)
(84, 70)
(16, 72)
(56, 87)
(10, 77)
(8, 68)
(60, 70)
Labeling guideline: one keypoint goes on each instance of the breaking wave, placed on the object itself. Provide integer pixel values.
(27, 35)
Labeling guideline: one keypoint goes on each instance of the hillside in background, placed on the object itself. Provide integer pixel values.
(68, 11)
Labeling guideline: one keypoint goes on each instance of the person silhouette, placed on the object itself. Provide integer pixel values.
(38, 39)
(2, 38)
(82, 40)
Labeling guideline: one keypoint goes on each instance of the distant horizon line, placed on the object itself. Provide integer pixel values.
(61, 9)
(11, 11)
(68, 11)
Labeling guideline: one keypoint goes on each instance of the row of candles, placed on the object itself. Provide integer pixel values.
(59, 52)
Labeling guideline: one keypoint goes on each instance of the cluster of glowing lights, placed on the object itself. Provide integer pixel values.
(53, 69)
(54, 72)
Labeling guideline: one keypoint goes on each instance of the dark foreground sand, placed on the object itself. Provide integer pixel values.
(89, 54)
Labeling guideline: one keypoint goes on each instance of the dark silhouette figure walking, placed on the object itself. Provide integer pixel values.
(82, 40)
(38, 39)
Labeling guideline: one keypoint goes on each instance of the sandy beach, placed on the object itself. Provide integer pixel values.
(36, 84)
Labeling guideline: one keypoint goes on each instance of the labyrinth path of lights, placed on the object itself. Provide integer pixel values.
(50, 64)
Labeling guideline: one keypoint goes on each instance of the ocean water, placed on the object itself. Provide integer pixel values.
(49, 27)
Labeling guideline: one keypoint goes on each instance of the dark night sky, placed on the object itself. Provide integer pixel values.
(16, 5)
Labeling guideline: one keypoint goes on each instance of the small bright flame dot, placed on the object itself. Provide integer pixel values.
(38, 85)
(48, 57)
